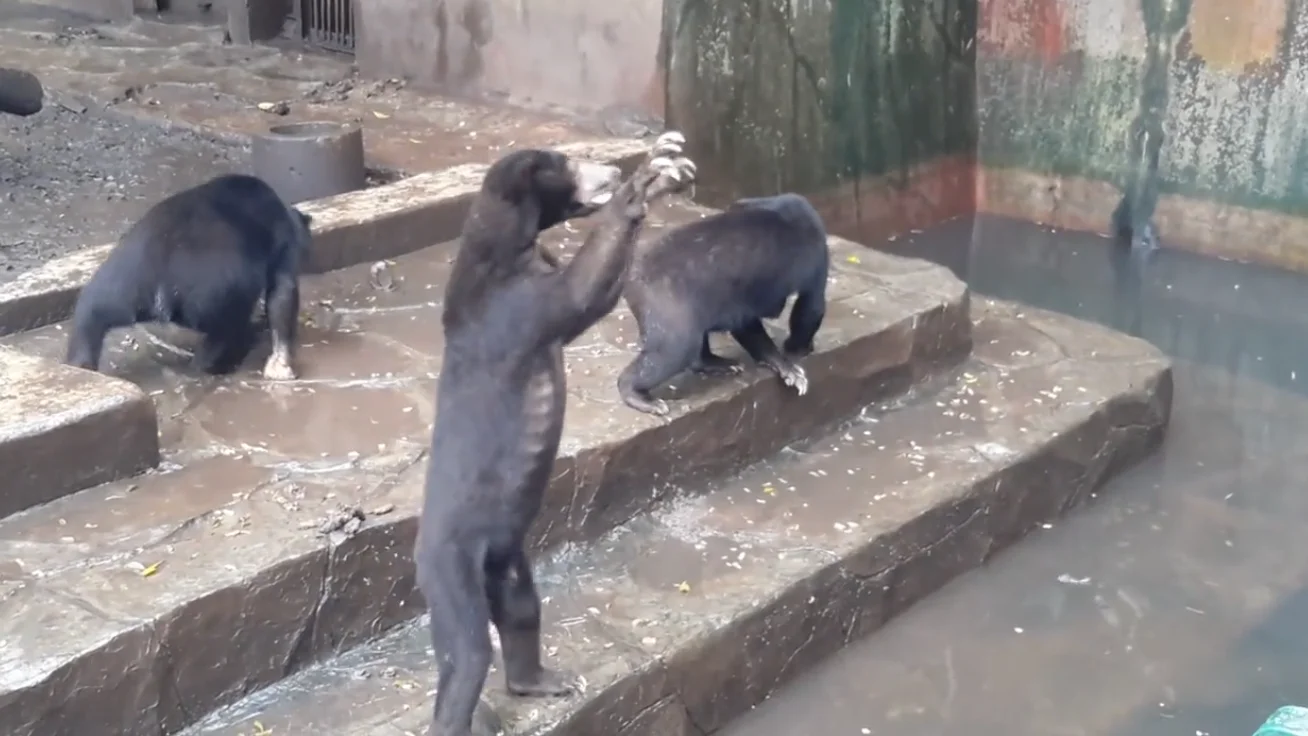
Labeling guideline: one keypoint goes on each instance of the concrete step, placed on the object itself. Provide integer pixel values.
(688, 615)
(279, 531)
(62, 430)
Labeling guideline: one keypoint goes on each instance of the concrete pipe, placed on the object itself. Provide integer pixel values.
(304, 161)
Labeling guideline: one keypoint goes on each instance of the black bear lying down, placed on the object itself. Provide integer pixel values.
(201, 259)
(509, 310)
(727, 272)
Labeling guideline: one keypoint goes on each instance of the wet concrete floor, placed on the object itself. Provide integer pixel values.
(1177, 603)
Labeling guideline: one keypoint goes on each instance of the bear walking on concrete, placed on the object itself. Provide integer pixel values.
(509, 310)
(727, 272)
(201, 259)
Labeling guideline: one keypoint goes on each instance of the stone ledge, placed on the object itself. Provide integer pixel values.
(233, 524)
(64, 429)
(686, 617)
(367, 225)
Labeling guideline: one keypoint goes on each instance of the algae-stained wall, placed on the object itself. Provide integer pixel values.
(867, 105)
(1191, 115)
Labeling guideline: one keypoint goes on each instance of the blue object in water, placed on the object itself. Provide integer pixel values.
(1290, 720)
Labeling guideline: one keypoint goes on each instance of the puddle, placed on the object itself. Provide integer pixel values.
(307, 424)
(1172, 605)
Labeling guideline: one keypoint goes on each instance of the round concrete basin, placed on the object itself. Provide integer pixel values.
(310, 160)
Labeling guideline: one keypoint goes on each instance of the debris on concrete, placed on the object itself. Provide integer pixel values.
(347, 520)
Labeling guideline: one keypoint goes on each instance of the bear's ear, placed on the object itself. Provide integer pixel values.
(550, 171)
(520, 179)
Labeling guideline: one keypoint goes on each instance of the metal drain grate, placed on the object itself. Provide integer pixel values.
(329, 24)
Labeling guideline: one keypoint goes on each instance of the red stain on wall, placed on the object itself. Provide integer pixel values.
(1024, 28)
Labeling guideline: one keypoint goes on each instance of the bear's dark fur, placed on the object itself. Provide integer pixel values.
(508, 312)
(201, 259)
(727, 272)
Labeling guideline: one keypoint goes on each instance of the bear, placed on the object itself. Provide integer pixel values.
(509, 310)
(728, 271)
(200, 259)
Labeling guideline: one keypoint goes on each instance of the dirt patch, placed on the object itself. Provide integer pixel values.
(70, 180)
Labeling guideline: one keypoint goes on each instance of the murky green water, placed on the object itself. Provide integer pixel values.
(1177, 604)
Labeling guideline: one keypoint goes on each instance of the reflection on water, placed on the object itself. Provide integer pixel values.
(1175, 605)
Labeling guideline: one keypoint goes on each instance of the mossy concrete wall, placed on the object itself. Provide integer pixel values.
(866, 105)
(1190, 115)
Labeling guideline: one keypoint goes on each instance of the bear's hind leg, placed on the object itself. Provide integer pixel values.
(712, 364)
(515, 611)
(452, 585)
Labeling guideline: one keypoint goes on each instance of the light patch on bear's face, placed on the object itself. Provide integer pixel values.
(596, 183)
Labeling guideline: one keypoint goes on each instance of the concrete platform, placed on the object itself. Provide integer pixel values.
(279, 532)
(687, 616)
(63, 429)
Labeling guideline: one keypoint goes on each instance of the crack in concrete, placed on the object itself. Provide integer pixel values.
(87, 606)
(302, 651)
(780, 677)
(169, 679)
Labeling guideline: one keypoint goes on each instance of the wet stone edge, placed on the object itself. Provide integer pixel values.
(48, 451)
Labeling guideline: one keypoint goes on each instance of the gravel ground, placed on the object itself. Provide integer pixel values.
(71, 180)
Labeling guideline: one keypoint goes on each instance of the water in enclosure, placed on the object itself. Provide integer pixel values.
(1175, 603)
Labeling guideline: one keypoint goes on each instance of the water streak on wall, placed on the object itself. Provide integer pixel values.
(845, 99)
(1191, 113)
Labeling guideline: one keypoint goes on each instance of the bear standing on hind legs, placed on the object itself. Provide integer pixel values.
(728, 272)
(509, 311)
(201, 259)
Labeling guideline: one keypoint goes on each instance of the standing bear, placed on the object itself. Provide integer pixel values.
(509, 311)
